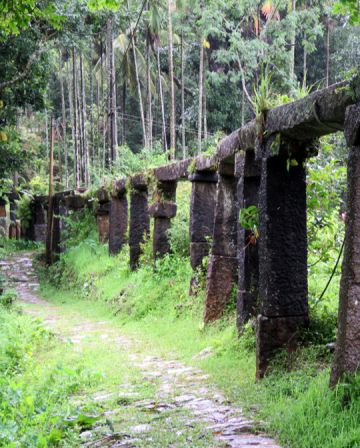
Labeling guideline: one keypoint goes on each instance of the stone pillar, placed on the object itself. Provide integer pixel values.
(13, 233)
(3, 220)
(39, 219)
(102, 215)
(222, 270)
(282, 256)
(248, 171)
(347, 351)
(163, 209)
(118, 217)
(139, 228)
(202, 213)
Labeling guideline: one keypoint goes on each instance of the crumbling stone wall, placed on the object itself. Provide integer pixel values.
(103, 215)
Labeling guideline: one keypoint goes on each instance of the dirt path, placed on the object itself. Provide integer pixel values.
(180, 390)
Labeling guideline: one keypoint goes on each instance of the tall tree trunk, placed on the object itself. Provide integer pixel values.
(171, 79)
(123, 111)
(80, 126)
(149, 95)
(292, 46)
(103, 109)
(327, 76)
(139, 90)
(84, 121)
(50, 216)
(63, 113)
(98, 127)
(111, 93)
(71, 107)
(204, 98)
(91, 111)
(161, 100)
(47, 132)
(182, 57)
(304, 68)
(75, 122)
(201, 73)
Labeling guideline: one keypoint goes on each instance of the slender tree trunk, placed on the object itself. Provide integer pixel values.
(204, 98)
(71, 107)
(91, 111)
(111, 94)
(49, 230)
(139, 90)
(103, 107)
(201, 73)
(149, 95)
(98, 110)
(47, 132)
(242, 108)
(63, 113)
(182, 56)
(305, 68)
(123, 111)
(75, 122)
(80, 125)
(292, 46)
(161, 101)
(327, 53)
(84, 121)
(171, 80)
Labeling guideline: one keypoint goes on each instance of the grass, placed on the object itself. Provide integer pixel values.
(152, 306)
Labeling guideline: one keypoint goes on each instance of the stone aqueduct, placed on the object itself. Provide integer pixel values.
(251, 167)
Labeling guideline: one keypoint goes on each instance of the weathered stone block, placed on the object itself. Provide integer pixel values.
(198, 251)
(103, 227)
(173, 171)
(103, 195)
(204, 176)
(347, 350)
(283, 239)
(119, 188)
(226, 218)
(161, 245)
(273, 334)
(118, 224)
(163, 210)
(75, 202)
(139, 227)
(138, 182)
(221, 278)
(202, 210)
(40, 232)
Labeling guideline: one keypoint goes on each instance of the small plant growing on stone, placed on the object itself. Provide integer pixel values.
(249, 220)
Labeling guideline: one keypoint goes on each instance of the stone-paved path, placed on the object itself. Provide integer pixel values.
(178, 385)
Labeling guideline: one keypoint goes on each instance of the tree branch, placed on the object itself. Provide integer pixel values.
(26, 70)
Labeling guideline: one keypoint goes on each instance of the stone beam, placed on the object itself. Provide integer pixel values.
(202, 212)
(118, 217)
(222, 269)
(163, 210)
(248, 171)
(347, 351)
(320, 113)
(283, 291)
(139, 227)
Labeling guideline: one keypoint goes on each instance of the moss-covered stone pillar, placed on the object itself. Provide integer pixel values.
(139, 227)
(202, 213)
(248, 172)
(222, 269)
(163, 210)
(118, 217)
(347, 351)
(103, 215)
(283, 293)
(39, 218)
